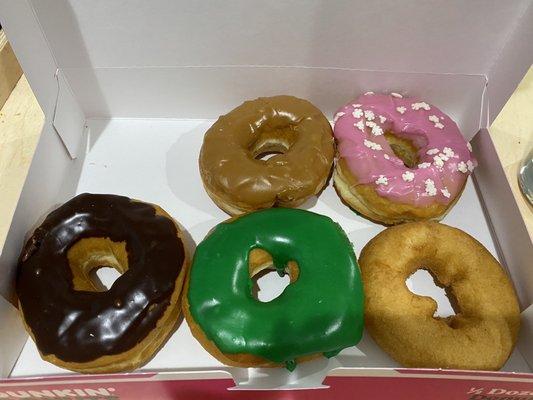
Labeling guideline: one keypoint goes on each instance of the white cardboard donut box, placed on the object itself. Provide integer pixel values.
(128, 89)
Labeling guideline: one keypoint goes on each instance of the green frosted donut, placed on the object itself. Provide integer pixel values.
(320, 312)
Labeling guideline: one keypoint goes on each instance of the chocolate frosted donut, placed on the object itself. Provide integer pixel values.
(74, 323)
(239, 181)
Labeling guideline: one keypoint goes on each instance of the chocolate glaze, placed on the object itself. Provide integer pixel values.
(285, 124)
(81, 326)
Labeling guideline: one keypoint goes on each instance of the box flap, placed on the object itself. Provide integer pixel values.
(38, 63)
(512, 62)
(68, 119)
(506, 221)
(526, 333)
(13, 337)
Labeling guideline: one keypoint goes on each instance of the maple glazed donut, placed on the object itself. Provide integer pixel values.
(484, 330)
(235, 176)
(318, 313)
(400, 159)
(75, 322)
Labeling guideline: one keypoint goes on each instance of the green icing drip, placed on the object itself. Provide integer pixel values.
(290, 365)
(332, 353)
(322, 311)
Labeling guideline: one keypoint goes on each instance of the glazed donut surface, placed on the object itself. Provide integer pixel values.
(234, 177)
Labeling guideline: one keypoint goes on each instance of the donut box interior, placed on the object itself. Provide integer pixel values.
(129, 88)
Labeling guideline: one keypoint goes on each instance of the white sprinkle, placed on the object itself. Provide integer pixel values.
(443, 156)
(430, 187)
(445, 192)
(449, 152)
(337, 116)
(469, 146)
(424, 165)
(408, 176)
(370, 124)
(422, 104)
(382, 180)
(386, 156)
(438, 162)
(368, 93)
(462, 167)
(356, 105)
(439, 125)
(369, 115)
(357, 113)
(470, 165)
(360, 125)
(431, 152)
(372, 145)
(398, 95)
(401, 109)
(382, 119)
(376, 130)
(434, 118)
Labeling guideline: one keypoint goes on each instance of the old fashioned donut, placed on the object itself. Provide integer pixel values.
(239, 181)
(484, 330)
(319, 313)
(74, 323)
(400, 159)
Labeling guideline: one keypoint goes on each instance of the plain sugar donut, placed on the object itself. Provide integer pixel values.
(483, 332)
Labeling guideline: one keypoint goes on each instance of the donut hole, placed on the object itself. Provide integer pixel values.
(104, 277)
(267, 155)
(269, 282)
(272, 143)
(96, 263)
(424, 283)
(404, 149)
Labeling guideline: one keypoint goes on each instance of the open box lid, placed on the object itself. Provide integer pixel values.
(177, 59)
(102, 47)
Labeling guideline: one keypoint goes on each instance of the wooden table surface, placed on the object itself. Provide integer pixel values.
(21, 120)
(512, 133)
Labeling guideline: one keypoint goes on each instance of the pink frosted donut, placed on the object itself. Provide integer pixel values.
(400, 159)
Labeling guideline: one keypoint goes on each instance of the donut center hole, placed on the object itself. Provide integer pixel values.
(269, 282)
(424, 283)
(404, 149)
(96, 263)
(269, 144)
(104, 277)
(267, 155)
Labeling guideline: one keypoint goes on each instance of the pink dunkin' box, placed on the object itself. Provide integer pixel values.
(128, 90)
